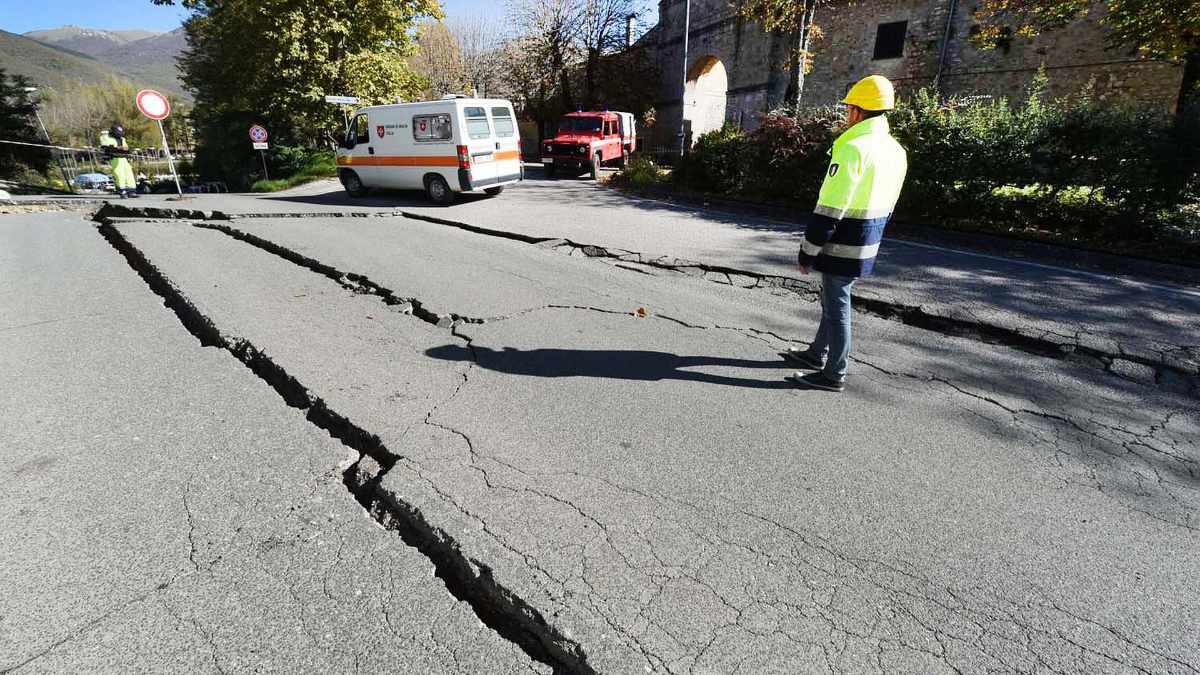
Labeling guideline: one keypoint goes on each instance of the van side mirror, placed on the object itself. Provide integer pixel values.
(346, 143)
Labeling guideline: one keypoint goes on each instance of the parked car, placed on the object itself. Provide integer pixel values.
(445, 147)
(93, 181)
(587, 140)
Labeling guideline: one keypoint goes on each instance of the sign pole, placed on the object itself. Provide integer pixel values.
(263, 155)
(170, 161)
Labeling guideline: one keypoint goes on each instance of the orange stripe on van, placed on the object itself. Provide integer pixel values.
(380, 160)
(508, 154)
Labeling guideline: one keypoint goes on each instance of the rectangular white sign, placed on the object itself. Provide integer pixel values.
(345, 100)
(260, 146)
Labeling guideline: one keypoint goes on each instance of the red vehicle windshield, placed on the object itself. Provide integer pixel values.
(577, 125)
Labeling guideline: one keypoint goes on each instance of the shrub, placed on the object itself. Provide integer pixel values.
(641, 172)
(716, 163)
(1075, 168)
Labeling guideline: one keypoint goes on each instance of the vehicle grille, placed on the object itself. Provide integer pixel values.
(565, 149)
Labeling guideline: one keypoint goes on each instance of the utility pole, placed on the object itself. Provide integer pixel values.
(687, 27)
(58, 160)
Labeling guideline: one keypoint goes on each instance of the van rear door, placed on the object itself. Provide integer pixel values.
(508, 143)
(481, 145)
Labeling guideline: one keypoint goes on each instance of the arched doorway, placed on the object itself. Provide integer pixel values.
(704, 95)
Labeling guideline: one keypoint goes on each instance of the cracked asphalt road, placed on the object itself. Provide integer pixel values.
(553, 480)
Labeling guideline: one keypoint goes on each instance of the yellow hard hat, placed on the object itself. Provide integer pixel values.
(872, 93)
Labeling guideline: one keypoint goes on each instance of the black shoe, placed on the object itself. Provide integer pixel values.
(816, 381)
(802, 359)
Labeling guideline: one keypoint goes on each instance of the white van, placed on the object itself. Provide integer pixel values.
(457, 144)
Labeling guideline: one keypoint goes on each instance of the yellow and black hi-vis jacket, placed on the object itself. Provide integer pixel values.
(862, 184)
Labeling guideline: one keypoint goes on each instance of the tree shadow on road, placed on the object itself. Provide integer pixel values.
(620, 364)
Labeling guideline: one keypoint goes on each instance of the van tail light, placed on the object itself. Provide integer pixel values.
(464, 157)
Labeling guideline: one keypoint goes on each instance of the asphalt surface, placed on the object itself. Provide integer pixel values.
(608, 449)
(1147, 322)
(164, 511)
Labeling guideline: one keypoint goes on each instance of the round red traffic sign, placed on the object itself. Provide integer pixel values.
(153, 104)
(258, 134)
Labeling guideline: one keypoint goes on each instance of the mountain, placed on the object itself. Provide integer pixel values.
(151, 58)
(49, 66)
(90, 41)
(60, 57)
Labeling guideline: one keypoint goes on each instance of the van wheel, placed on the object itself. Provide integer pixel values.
(596, 167)
(549, 169)
(492, 192)
(353, 185)
(438, 191)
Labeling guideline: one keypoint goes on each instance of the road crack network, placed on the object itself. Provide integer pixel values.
(466, 579)
(911, 612)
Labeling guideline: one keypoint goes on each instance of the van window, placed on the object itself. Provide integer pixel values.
(477, 123)
(361, 132)
(431, 127)
(504, 122)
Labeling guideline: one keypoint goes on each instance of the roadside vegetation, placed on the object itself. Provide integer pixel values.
(1072, 171)
(297, 166)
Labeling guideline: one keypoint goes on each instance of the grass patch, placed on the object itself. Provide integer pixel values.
(316, 167)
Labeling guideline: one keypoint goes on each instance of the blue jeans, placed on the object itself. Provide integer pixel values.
(832, 343)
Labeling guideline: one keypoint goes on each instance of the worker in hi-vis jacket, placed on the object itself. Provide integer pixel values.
(112, 144)
(862, 184)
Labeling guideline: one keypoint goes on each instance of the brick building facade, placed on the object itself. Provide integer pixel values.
(916, 43)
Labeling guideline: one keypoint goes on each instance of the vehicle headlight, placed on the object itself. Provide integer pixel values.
(582, 149)
(549, 149)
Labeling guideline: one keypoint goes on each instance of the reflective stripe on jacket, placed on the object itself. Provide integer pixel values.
(863, 181)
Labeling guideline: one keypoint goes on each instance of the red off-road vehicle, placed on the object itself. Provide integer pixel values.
(587, 140)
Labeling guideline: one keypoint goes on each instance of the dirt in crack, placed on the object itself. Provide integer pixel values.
(468, 580)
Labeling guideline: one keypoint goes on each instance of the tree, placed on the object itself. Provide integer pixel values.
(279, 58)
(1164, 29)
(439, 60)
(601, 31)
(77, 117)
(791, 17)
(548, 30)
(479, 47)
(273, 62)
(17, 123)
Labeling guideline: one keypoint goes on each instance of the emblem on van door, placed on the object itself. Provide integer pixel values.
(379, 130)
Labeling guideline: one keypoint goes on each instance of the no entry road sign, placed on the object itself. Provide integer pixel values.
(153, 104)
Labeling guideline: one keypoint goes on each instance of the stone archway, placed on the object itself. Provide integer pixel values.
(704, 95)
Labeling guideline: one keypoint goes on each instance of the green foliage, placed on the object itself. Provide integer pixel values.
(1158, 29)
(273, 62)
(279, 58)
(640, 173)
(77, 117)
(1070, 169)
(298, 165)
(17, 123)
(785, 155)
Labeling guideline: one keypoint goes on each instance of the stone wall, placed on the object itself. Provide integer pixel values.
(757, 62)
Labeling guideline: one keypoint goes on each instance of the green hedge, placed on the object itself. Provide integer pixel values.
(297, 165)
(1071, 169)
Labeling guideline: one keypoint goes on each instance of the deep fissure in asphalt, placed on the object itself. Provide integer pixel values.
(468, 580)
(1165, 375)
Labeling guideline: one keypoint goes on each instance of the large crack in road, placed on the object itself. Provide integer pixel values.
(473, 579)
(468, 580)
(1169, 369)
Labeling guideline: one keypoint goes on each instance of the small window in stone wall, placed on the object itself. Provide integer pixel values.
(889, 40)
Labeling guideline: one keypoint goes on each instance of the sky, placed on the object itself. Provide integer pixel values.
(16, 17)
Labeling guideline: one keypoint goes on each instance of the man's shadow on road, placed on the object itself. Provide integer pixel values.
(620, 364)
